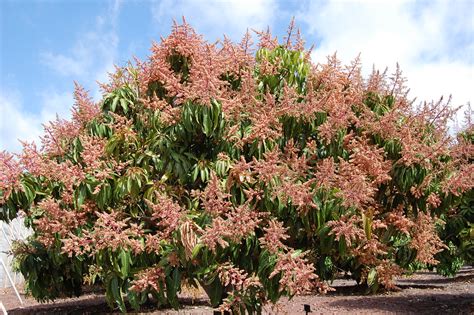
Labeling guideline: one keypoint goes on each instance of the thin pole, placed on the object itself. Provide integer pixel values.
(11, 281)
(2, 307)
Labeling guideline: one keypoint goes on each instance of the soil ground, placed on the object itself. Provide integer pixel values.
(421, 293)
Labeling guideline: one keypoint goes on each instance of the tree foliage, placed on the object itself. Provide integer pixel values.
(246, 169)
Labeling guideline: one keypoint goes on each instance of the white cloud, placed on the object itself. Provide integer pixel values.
(91, 58)
(64, 65)
(17, 123)
(56, 104)
(216, 17)
(93, 54)
(432, 41)
(88, 55)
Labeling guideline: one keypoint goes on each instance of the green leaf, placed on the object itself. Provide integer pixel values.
(173, 283)
(133, 300)
(124, 263)
(124, 105)
(196, 250)
(117, 294)
(113, 107)
(214, 290)
(371, 277)
(206, 123)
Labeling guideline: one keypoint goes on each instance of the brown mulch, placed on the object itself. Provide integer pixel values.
(422, 293)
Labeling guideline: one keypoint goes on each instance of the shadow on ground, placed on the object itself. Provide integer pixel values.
(441, 303)
(421, 293)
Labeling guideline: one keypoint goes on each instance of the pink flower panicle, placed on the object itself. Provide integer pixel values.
(39, 164)
(275, 233)
(167, 214)
(387, 271)
(10, 172)
(370, 160)
(425, 239)
(84, 110)
(355, 187)
(58, 136)
(237, 224)
(397, 219)
(150, 278)
(56, 221)
(109, 232)
(92, 153)
(297, 275)
(347, 227)
(214, 199)
(300, 194)
(236, 278)
(240, 284)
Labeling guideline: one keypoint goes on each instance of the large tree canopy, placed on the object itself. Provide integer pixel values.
(247, 169)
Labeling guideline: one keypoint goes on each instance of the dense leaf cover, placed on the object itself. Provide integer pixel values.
(246, 169)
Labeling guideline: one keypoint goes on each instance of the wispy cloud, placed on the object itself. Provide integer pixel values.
(94, 52)
(17, 123)
(55, 104)
(433, 43)
(90, 59)
(66, 66)
(215, 18)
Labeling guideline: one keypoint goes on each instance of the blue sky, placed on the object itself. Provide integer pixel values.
(46, 45)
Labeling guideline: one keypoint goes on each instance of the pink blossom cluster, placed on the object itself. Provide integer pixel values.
(297, 274)
(275, 233)
(109, 232)
(148, 278)
(425, 239)
(234, 226)
(10, 171)
(56, 221)
(167, 214)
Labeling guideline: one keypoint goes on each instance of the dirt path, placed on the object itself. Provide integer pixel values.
(422, 293)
